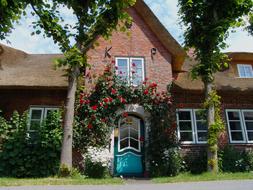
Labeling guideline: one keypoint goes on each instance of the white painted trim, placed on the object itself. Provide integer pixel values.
(129, 68)
(129, 137)
(241, 123)
(129, 153)
(193, 125)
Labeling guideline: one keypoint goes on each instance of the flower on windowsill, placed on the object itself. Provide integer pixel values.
(141, 139)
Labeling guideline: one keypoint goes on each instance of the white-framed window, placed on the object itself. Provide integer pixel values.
(240, 125)
(245, 70)
(192, 126)
(129, 134)
(37, 115)
(131, 69)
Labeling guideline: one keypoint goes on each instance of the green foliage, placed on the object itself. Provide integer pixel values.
(207, 26)
(250, 27)
(232, 160)
(170, 164)
(30, 154)
(10, 13)
(215, 129)
(65, 171)
(94, 169)
(196, 163)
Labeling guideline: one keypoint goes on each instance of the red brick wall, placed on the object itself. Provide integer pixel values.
(137, 44)
(21, 99)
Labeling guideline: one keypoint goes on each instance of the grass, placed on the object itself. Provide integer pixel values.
(187, 177)
(58, 181)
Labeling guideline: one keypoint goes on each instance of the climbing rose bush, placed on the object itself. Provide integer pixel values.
(97, 110)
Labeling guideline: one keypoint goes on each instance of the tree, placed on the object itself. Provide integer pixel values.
(207, 26)
(94, 18)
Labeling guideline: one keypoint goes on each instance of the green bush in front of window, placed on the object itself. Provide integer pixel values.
(30, 154)
(233, 160)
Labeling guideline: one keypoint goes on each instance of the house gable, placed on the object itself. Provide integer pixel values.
(139, 43)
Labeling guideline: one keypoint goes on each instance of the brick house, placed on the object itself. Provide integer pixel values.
(29, 82)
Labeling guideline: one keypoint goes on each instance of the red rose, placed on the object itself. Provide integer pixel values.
(125, 114)
(113, 91)
(145, 92)
(81, 101)
(122, 100)
(101, 104)
(95, 107)
(106, 100)
(113, 62)
(90, 126)
(153, 85)
(87, 101)
(110, 99)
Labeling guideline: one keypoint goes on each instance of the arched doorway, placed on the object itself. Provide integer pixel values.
(129, 147)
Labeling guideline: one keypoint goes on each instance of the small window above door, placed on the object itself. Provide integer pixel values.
(131, 69)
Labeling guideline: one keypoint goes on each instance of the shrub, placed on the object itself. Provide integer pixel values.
(232, 160)
(30, 154)
(196, 164)
(97, 162)
(166, 163)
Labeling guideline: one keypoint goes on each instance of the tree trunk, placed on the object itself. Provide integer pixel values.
(66, 151)
(212, 155)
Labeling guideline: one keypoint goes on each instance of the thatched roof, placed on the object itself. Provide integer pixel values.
(227, 80)
(178, 54)
(19, 69)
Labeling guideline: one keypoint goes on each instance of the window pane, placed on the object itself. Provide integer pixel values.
(250, 136)
(134, 144)
(201, 114)
(36, 114)
(124, 143)
(185, 136)
(236, 136)
(235, 125)
(184, 115)
(233, 115)
(202, 136)
(137, 71)
(241, 71)
(123, 68)
(248, 115)
(123, 132)
(185, 125)
(134, 134)
(249, 125)
(201, 125)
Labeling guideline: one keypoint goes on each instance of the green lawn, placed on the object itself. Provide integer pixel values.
(58, 181)
(187, 177)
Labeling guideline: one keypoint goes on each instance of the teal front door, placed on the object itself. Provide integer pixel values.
(129, 147)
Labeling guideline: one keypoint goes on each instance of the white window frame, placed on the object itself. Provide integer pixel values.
(130, 68)
(194, 127)
(242, 123)
(242, 66)
(44, 110)
(128, 137)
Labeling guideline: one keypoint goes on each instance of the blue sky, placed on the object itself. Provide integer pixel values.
(165, 10)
